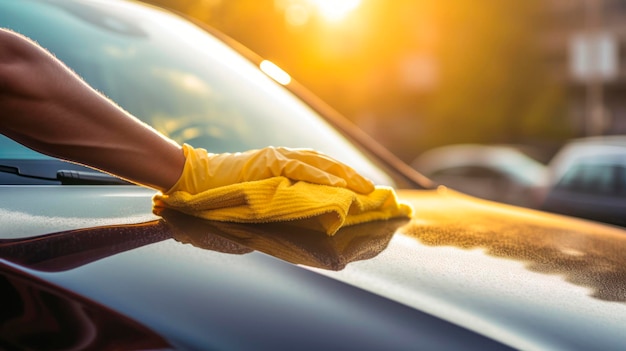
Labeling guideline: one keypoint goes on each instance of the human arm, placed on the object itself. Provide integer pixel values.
(47, 107)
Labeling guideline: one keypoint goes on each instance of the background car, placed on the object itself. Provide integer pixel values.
(500, 173)
(588, 180)
(86, 264)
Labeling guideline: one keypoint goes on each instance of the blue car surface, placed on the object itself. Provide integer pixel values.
(86, 265)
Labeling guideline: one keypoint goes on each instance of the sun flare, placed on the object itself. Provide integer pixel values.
(335, 10)
(299, 12)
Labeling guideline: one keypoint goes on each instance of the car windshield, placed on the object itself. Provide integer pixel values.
(176, 77)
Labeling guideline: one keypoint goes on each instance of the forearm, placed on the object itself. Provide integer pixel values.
(111, 140)
(48, 108)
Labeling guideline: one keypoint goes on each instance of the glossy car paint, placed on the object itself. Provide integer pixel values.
(527, 279)
(92, 267)
(38, 316)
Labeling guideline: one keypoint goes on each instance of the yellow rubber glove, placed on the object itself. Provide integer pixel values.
(205, 170)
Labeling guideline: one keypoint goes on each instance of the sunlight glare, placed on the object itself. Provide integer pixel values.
(335, 10)
(275, 72)
(300, 12)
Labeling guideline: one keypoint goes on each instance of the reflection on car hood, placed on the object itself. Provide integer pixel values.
(527, 279)
(34, 210)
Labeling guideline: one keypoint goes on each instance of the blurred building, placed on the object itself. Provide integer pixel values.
(585, 42)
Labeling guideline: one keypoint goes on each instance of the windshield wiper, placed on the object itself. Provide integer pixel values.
(69, 177)
(65, 176)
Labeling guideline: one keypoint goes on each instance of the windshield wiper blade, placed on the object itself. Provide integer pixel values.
(16, 171)
(72, 177)
(44, 172)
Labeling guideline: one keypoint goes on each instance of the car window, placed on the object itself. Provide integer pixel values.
(177, 78)
(469, 172)
(606, 179)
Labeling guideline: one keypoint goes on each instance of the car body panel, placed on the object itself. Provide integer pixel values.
(461, 274)
(486, 267)
(42, 209)
(37, 315)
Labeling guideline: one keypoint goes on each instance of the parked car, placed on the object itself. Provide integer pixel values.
(500, 173)
(86, 265)
(588, 180)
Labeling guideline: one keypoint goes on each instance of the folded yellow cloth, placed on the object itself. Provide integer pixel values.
(278, 199)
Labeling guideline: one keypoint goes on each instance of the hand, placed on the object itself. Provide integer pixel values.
(205, 171)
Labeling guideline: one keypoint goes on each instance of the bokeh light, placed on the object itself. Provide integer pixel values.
(335, 10)
(275, 72)
(300, 12)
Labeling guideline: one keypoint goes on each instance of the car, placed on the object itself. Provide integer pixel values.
(500, 173)
(588, 180)
(85, 264)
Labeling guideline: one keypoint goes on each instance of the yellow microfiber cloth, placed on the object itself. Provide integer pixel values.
(277, 184)
(279, 199)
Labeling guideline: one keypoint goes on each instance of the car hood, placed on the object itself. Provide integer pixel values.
(527, 279)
